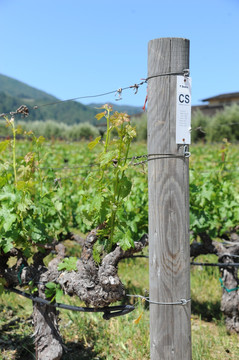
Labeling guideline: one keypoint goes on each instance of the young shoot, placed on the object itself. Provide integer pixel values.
(112, 182)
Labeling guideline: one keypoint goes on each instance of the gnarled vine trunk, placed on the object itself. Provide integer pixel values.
(97, 285)
(229, 278)
(48, 342)
(230, 296)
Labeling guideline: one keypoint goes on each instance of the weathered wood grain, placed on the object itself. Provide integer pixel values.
(168, 206)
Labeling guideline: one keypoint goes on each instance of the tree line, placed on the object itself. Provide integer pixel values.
(223, 124)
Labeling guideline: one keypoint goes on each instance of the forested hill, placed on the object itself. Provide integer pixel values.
(14, 93)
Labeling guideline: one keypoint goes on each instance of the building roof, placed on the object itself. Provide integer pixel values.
(222, 97)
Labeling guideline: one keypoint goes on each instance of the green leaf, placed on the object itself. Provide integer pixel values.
(207, 191)
(133, 226)
(87, 218)
(97, 250)
(8, 196)
(126, 241)
(96, 202)
(59, 294)
(68, 264)
(58, 205)
(8, 245)
(40, 140)
(125, 187)
(93, 143)
(107, 157)
(22, 185)
(51, 290)
(3, 145)
(100, 115)
(9, 220)
(51, 285)
(3, 181)
(24, 205)
(104, 210)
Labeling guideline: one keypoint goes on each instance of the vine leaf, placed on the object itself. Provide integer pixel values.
(107, 157)
(125, 187)
(68, 264)
(125, 240)
(53, 291)
(3, 145)
(100, 115)
(93, 143)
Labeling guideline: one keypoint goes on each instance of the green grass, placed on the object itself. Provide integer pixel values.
(89, 337)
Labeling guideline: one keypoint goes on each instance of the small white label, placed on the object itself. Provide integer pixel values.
(183, 110)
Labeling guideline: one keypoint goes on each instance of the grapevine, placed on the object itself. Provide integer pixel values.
(37, 214)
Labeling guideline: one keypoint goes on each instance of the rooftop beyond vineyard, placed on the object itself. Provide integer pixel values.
(217, 103)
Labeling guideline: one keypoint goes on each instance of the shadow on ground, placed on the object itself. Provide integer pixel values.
(207, 310)
(76, 351)
(18, 344)
(14, 347)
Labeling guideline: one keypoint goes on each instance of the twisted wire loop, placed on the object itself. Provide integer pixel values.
(185, 73)
(109, 311)
(178, 302)
(151, 157)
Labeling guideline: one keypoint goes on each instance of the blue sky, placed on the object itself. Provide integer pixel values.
(72, 48)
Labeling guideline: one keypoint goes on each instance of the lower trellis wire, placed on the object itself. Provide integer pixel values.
(109, 312)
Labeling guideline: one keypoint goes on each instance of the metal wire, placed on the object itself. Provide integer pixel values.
(109, 312)
(24, 110)
(179, 302)
(222, 265)
(119, 90)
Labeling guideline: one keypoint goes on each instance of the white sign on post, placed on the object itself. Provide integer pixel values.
(183, 110)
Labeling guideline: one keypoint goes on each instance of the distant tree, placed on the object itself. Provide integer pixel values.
(224, 124)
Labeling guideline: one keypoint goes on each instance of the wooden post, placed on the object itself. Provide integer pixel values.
(169, 251)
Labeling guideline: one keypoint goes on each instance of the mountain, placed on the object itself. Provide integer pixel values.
(14, 93)
(18, 89)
